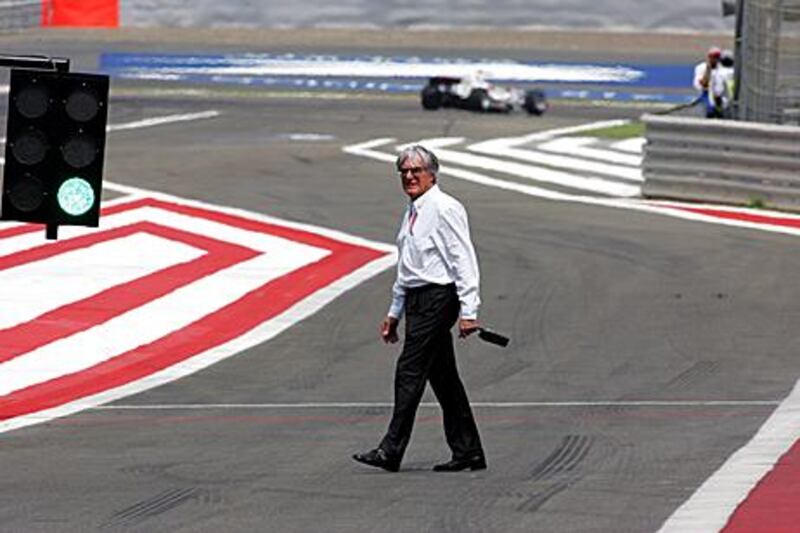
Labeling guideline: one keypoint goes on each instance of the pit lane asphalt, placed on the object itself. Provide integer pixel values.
(602, 305)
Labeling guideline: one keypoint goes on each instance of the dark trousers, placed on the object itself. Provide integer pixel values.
(428, 355)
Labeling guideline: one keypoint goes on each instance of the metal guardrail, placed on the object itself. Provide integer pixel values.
(722, 161)
(16, 15)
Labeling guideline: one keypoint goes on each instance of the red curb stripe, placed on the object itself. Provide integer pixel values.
(744, 217)
(774, 504)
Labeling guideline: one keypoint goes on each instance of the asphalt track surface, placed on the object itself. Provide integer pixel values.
(607, 307)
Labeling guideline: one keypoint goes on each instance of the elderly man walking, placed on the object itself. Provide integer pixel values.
(436, 286)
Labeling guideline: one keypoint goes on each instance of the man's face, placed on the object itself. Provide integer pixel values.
(415, 177)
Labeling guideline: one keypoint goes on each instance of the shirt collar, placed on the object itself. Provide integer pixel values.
(425, 197)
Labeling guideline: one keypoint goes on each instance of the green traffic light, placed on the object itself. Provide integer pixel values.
(75, 196)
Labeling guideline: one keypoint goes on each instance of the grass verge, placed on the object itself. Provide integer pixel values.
(634, 128)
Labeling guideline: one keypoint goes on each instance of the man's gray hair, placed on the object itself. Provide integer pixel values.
(428, 158)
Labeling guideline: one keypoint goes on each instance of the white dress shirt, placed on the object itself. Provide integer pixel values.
(434, 246)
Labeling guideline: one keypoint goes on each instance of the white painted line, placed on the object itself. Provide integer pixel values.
(634, 146)
(581, 146)
(311, 137)
(31, 289)
(499, 405)
(539, 136)
(531, 172)
(158, 121)
(435, 143)
(710, 507)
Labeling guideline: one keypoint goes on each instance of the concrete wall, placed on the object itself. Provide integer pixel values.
(676, 15)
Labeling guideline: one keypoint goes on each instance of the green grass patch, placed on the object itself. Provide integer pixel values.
(633, 128)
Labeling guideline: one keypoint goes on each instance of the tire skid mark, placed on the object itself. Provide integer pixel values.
(537, 500)
(557, 473)
(572, 450)
(699, 371)
(159, 504)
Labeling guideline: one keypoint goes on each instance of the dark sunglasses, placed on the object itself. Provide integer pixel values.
(416, 171)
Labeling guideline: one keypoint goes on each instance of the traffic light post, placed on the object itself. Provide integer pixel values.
(55, 144)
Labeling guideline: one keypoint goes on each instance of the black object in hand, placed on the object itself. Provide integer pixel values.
(493, 337)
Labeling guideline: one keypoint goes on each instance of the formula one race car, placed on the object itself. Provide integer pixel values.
(476, 94)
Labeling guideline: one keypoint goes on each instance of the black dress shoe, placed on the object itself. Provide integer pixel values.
(378, 458)
(472, 462)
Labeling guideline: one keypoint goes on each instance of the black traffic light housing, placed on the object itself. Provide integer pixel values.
(55, 145)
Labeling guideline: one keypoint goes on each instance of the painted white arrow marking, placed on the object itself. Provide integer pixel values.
(506, 148)
(530, 172)
(581, 146)
(365, 149)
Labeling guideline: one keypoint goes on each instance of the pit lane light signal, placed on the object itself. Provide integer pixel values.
(55, 145)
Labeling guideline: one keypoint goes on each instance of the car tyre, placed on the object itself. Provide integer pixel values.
(431, 98)
(478, 100)
(535, 102)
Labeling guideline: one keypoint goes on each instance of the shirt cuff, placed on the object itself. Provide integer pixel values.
(468, 314)
(396, 311)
